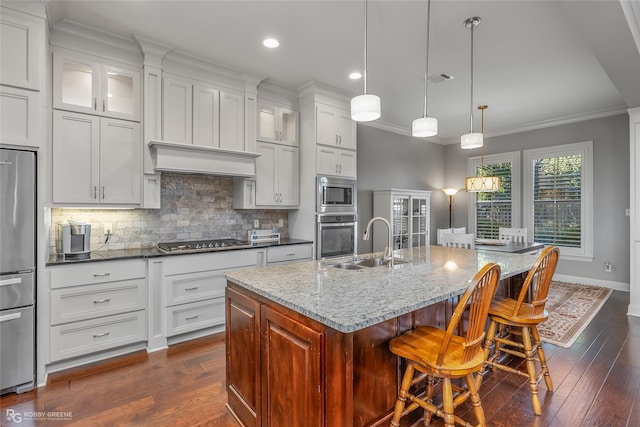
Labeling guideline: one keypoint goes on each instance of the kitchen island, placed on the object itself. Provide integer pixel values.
(307, 343)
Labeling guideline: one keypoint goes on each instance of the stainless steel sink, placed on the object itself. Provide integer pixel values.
(368, 262)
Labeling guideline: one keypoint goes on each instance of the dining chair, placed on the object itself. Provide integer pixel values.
(520, 318)
(459, 240)
(516, 235)
(443, 354)
(440, 231)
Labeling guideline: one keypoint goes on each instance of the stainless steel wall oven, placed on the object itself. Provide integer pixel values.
(336, 235)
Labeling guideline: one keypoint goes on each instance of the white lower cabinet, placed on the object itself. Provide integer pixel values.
(289, 253)
(194, 287)
(97, 306)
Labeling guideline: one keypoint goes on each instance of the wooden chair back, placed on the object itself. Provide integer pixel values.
(477, 298)
(538, 279)
(440, 231)
(459, 240)
(516, 235)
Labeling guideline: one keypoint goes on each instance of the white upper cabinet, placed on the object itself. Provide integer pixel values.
(96, 160)
(200, 114)
(277, 124)
(22, 49)
(277, 176)
(336, 162)
(334, 127)
(82, 83)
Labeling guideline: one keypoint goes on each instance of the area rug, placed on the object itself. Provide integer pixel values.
(571, 307)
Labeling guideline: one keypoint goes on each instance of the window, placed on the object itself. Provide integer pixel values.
(502, 208)
(558, 198)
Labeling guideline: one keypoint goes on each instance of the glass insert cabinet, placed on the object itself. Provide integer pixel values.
(408, 212)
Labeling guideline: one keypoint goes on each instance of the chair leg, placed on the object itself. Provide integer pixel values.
(488, 343)
(475, 399)
(447, 402)
(543, 358)
(426, 416)
(402, 395)
(531, 369)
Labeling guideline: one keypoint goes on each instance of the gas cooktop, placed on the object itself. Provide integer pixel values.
(202, 245)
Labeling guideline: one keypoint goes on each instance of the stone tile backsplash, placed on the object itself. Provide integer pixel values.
(193, 207)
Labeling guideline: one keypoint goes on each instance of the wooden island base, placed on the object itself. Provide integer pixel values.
(285, 369)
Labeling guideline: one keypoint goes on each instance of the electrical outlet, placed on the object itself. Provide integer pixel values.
(108, 228)
(607, 267)
(256, 223)
(281, 223)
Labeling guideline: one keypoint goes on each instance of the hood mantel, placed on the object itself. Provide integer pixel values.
(186, 158)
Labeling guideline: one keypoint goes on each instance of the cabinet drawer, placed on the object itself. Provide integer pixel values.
(288, 253)
(91, 301)
(194, 316)
(96, 272)
(184, 288)
(88, 336)
(209, 261)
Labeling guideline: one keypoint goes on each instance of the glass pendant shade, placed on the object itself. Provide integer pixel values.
(424, 126)
(365, 108)
(471, 140)
(484, 184)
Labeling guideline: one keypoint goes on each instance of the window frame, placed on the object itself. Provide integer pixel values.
(584, 149)
(514, 158)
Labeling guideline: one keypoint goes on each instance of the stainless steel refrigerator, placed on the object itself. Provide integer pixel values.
(17, 270)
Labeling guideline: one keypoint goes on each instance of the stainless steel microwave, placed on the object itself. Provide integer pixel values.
(336, 195)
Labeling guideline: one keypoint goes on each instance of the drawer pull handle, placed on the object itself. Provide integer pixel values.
(8, 282)
(102, 275)
(100, 301)
(191, 317)
(194, 288)
(104, 334)
(290, 254)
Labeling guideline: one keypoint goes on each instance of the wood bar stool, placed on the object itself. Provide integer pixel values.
(442, 354)
(518, 317)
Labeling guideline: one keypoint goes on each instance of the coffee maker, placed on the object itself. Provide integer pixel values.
(73, 239)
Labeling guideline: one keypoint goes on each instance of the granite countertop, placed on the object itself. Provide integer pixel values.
(350, 300)
(120, 254)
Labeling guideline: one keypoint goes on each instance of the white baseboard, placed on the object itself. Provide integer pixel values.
(633, 310)
(616, 286)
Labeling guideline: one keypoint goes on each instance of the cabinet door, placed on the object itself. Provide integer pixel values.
(176, 111)
(265, 174)
(288, 133)
(120, 162)
(326, 163)
(347, 163)
(76, 156)
(206, 116)
(326, 125)
(346, 130)
(232, 121)
(288, 186)
(20, 117)
(75, 83)
(120, 92)
(291, 387)
(21, 49)
(267, 122)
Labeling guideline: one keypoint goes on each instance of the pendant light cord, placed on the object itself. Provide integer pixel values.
(471, 104)
(426, 62)
(365, 47)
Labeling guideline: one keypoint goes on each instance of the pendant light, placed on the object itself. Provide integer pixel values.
(366, 107)
(425, 126)
(471, 139)
(481, 183)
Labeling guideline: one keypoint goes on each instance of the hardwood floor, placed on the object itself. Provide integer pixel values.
(597, 383)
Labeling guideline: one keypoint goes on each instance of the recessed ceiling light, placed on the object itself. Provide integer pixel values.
(271, 43)
(355, 76)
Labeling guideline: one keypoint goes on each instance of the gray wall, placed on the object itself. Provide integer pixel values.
(388, 160)
(610, 136)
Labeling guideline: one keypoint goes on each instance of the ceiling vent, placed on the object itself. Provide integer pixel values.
(434, 79)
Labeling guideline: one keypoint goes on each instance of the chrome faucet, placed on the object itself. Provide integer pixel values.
(388, 252)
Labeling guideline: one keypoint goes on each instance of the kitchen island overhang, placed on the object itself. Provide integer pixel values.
(307, 343)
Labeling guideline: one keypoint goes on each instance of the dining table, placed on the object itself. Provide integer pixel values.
(497, 245)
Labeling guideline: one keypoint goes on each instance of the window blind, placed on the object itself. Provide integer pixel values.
(557, 200)
(494, 210)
